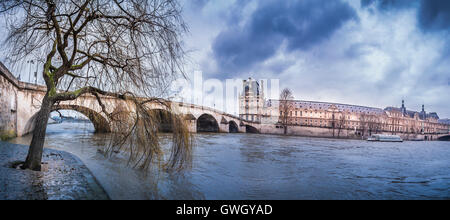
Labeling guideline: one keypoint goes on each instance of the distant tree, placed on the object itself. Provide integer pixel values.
(341, 123)
(363, 121)
(286, 98)
(124, 49)
(379, 125)
(372, 123)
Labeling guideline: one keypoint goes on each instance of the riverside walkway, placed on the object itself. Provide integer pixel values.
(64, 177)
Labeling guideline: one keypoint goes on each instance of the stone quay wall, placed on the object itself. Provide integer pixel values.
(310, 131)
(8, 104)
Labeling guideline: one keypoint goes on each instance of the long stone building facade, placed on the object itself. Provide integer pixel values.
(323, 119)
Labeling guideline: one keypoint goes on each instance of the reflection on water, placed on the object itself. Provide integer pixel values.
(243, 166)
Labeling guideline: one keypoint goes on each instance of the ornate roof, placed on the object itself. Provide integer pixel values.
(314, 105)
(412, 113)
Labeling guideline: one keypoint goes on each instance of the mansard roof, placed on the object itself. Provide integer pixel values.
(393, 109)
(315, 105)
(433, 115)
(444, 121)
(407, 112)
(412, 113)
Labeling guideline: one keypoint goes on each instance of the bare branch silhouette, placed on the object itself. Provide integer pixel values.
(286, 98)
(124, 49)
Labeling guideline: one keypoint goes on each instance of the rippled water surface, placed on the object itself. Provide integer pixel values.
(250, 166)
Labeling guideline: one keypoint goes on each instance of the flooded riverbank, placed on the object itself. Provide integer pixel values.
(63, 177)
(255, 166)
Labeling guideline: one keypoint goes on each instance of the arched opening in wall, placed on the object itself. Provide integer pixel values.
(70, 122)
(164, 118)
(207, 123)
(83, 119)
(84, 114)
(251, 129)
(444, 138)
(233, 127)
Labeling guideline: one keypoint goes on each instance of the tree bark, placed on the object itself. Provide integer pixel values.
(34, 156)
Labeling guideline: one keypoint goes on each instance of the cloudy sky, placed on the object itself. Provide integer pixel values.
(362, 52)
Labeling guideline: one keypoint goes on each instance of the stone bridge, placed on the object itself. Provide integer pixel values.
(20, 101)
(445, 137)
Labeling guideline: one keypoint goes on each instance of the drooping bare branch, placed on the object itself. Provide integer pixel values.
(128, 49)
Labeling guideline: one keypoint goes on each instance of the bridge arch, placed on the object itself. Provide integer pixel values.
(100, 123)
(232, 127)
(251, 129)
(207, 123)
(444, 138)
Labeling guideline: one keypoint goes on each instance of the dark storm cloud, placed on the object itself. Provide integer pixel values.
(301, 24)
(389, 4)
(432, 15)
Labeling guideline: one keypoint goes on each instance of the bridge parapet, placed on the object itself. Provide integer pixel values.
(19, 84)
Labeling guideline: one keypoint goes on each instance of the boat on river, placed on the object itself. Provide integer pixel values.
(385, 138)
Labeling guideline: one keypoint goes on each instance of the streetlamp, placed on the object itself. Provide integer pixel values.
(35, 73)
(29, 69)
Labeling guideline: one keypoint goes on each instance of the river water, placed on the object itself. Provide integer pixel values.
(255, 166)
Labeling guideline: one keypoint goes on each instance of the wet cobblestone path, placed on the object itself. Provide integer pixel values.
(65, 177)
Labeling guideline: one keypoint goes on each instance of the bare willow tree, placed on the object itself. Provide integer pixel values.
(373, 124)
(286, 98)
(123, 49)
(341, 123)
(363, 121)
(369, 123)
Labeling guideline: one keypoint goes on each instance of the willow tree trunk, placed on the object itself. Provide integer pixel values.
(34, 156)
